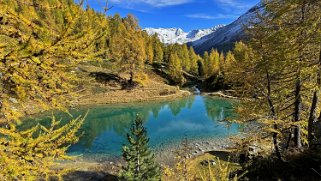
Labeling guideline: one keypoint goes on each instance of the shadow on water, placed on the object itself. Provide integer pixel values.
(167, 122)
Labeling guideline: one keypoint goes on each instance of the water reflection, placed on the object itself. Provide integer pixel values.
(193, 117)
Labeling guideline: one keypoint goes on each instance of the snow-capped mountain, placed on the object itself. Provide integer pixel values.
(177, 35)
(225, 37)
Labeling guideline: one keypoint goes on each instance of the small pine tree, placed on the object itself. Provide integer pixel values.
(139, 158)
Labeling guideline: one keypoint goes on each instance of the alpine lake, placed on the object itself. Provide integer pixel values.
(195, 118)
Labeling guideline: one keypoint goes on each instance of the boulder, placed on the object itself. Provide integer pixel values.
(208, 162)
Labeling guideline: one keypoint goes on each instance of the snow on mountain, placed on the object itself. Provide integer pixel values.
(225, 37)
(177, 35)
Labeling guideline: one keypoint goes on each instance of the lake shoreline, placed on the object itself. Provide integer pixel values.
(220, 94)
(105, 167)
(139, 95)
(121, 98)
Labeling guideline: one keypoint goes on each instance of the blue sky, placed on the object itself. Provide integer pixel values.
(185, 14)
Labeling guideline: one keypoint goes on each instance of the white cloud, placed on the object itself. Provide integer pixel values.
(153, 3)
(206, 16)
(234, 4)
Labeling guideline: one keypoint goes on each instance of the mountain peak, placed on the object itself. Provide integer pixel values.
(177, 35)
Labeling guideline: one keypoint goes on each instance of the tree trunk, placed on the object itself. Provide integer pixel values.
(313, 131)
(289, 139)
(273, 115)
(131, 79)
(276, 144)
(297, 113)
(298, 86)
(315, 101)
(313, 116)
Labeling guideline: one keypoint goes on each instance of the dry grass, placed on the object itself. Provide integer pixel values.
(222, 170)
(152, 87)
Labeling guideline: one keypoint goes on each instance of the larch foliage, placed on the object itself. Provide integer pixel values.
(229, 58)
(186, 62)
(193, 57)
(279, 69)
(32, 154)
(221, 61)
(205, 62)
(175, 68)
(158, 52)
(150, 52)
(213, 63)
(40, 43)
(135, 54)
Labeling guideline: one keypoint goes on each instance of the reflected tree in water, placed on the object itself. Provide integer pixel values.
(176, 106)
(219, 110)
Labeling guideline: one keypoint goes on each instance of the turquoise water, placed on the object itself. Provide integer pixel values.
(167, 122)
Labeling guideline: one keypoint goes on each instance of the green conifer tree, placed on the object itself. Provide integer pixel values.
(140, 160)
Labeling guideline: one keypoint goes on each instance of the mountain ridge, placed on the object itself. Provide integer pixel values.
(177, 35)
(221, 37)
(224, 38)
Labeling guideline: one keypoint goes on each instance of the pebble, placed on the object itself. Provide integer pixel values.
(201, 150)
(13, 100)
